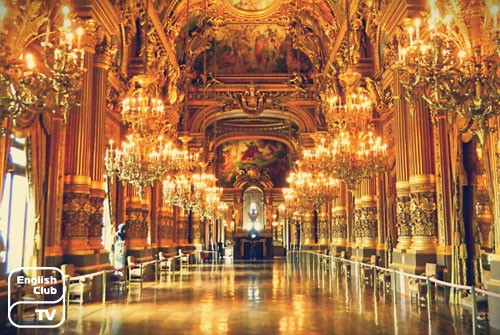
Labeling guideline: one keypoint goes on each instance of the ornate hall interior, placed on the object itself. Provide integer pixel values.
(270, 166)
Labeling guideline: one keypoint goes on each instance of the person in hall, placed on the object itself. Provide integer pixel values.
(253, 251)
(119, 247)
(220, 249)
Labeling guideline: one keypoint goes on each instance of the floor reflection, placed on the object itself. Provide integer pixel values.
(259, 298)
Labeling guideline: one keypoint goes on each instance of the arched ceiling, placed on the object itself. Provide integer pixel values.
(244, 60)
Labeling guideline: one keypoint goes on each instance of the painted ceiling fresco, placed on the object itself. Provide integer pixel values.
(234, 156)
(252, 49)
(252, 5)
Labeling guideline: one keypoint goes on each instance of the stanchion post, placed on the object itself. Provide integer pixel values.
(359, 268)
(393, 284)
(429, 298)
(156, 270)
(104, 286)
(20, 307)
(429, 303)
(142, 277)
(66, 302)
(474, 309)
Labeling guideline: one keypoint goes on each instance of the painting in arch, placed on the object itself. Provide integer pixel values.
(254, 209)
(252, 5)
(234, 156)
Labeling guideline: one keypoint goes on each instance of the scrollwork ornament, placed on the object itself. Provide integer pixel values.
(76, 209)
(369, 222)
(96, 216)
(339, 227)
(358, 225)
(403, 216)
(423, 212)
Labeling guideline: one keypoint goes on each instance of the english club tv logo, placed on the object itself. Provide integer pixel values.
(43, 293)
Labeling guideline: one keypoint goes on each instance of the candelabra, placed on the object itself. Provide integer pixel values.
(140, 162)
(349, 151)
(24, 89)
(145, 114)
(196, 192)
(357, 155)
(452, 62)
(311, 189)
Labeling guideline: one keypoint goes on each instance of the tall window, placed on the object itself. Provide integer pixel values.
(14, 209)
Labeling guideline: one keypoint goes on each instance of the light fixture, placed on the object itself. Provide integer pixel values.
(349, 150)
(25, 89)
(140, 161)
(150, 151)
(451, 60)
(311, 190)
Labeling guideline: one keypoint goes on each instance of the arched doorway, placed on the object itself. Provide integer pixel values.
(254, 209)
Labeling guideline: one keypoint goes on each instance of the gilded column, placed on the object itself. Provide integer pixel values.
(339, 220)
(357, 225)
(293, 233)
(369, 216)
(77, 207)
(55, 190)
(444, 181)
(323, 228)
(492, 155)
(195, 228)
(182, 225)
(422, 182)
(97, 190)
(163, 227)
(308, 228)
(403, 219)
(134, 219)
(145, 224)
(171, 233)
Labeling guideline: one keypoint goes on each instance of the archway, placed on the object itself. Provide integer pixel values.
(253, 209)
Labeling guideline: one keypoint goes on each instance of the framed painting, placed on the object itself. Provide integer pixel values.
(265, 154)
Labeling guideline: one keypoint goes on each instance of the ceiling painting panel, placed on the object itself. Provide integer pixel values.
(252, 49)
(233, 157)
(252, 5)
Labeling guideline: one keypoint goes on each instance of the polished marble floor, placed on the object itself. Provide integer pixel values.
(276, 297)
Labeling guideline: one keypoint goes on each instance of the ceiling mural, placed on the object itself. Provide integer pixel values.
(252, 49)
(252, 5)
(233, 157)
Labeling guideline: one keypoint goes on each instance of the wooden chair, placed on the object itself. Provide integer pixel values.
(165, 264)
(368, 271)
(384, 279)
(184, 259)
(136, 271)
(345, 266)
(77, 288)
(418, 287)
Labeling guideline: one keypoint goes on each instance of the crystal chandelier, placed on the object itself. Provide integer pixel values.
(292, 202)
(150, 152)
(356, 155)
(196, 192)
(177, 191)
(452, 62)
(349, 151)
(145, 114)
(208, 207)
(140, 162)
(311, 189)
(25, 89)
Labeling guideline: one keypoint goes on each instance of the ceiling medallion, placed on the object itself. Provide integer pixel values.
(252, 7)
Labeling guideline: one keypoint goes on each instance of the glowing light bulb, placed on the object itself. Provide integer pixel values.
(65, 10)
(3, 10)
(30, 61)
